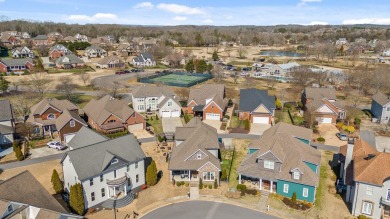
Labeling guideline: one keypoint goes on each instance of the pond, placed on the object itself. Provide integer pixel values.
(280, 53)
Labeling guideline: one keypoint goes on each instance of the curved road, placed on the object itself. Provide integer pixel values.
(109, 80)
(205, 210)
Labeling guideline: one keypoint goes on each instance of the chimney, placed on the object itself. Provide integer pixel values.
(348, 156)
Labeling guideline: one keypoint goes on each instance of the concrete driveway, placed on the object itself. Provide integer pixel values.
(216, 124)
(44, 151)
(170, 123)
(258, 129)
(328, 131)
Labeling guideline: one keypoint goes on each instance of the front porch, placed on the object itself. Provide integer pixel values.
(385, 202)
(257, 183)
(119, 192)
(184, 175)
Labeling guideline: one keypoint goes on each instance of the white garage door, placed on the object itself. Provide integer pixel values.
(261, 120)
(135, 127)
(166, 113)
(212, 116)
(68, 137)
(324, 120)
(176, 113)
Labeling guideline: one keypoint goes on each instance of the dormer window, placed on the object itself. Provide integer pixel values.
(114, 161)
(112, 121)
(72, 123)
(51, 116)
(212, 106)
(198, 156)
(169, 103)
(10, 209)
(268, 164)
(296, 175)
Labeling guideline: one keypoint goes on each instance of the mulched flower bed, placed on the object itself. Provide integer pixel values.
(302, 206)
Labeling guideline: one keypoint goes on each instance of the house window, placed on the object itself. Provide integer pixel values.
(114, 161)
(137, 178)
(208, 176)
(268, 164)
(367, 208)
(10, 209)
(111, 121)
(93, 196)
(103, 192)
(51, 116)
(369, 190)
(114, 174)
(285, 188)
(296, 175)
(305, 192)
(101, 178)
(128, 168)
(388, 108)
(72, 123)
(91, 182)
(136, 165)
(141, 107)
(169, 103)
(212, 106)
(198, 156)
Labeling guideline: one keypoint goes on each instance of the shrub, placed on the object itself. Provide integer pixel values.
(160, 138)
(278, 104)
(186, 184)
(321, 139)
(56, 182)
(241, 187)
(248, 192)
(288, 105)
(300, 104)
(178, 184)
(294, 198)
(200, 183)
(339, 125)
(363, 217)
(223, 175)
(151, 174)
(157, 117)
(350, 129)
(215, 184)
(76, 198)
(247, 124)
(368, 113)
(210, 186)
(358, 121)
(18, 151)
(227, 116)
(204, 186)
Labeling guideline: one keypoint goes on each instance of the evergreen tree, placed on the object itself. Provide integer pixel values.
(56, 182)
(200, 183)
(17, 150)
(76, 198)
(215, 184)
(151, 174)
(278, 104)
(4, 84)
(190, 66)
(209, 68)
(215, 56)
(201, 66)
(247, 124)
(294, 198)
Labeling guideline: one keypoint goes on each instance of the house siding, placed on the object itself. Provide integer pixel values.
(210, 109)
(251, 151)
(136, 118)
(312, 166)
(297, 188)
(67, 129)
(209, 168)
(47, 112)
(380, 112)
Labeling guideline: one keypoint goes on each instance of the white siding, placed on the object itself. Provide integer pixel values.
(324, 109)
(69, 174)
(6, 123)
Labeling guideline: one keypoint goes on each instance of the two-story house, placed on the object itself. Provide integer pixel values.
(109, 171)
(23, 196)
(58, 50)
(22, 52)
(127, 49)
(112, 61)
(282, 161)
(365, 173)
(40, 40)
(16, 65)
(380, 107)
(144, 60)
(147, 98)
(207, 101)
(56, 116)
(7, 127)
(94, 51)
(9, 40)
(256, 106)
(196, 154)
(55, 36)
(322, 105)
(81, 38)
(108, 115)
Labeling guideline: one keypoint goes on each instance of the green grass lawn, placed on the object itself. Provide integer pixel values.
(79, 99)
(156, 124)
(226, 156)
(158, 66)
(239, 155)
(282, 116)
(73, 70)
(235, 122)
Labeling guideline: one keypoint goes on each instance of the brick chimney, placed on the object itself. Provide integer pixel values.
(348, 156)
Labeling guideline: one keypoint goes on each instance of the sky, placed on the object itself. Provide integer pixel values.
(200, 12)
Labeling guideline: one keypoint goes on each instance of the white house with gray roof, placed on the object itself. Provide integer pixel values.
(22, 52)
(94, 51)
(108, 169)
(144, 60)
(380, 107)
(156, 98)
(6, 123)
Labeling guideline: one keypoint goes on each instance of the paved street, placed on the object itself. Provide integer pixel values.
(108, 81)
(31, 161)
(206, 210)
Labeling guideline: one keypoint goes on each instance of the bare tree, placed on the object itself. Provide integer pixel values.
(85, 77)
(39, 83)
(271, 83)
(23, 103)
(26, 129)
(301, 75)
(218, 73)
(66, 86)
(242, 52)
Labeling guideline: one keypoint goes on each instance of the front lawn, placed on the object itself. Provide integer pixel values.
(73, 70)
(240, 151)
(235, 122)
(226, 156)
(154, 123)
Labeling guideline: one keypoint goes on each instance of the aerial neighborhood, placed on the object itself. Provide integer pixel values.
(115, 121)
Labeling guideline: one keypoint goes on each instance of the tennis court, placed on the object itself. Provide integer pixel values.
(176, 78)
(180, 79)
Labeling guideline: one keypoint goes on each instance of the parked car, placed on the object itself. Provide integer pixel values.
(56, 145)
(119, 73)
(126, 71)
(247, 69)
(342, 136)
(244, 74)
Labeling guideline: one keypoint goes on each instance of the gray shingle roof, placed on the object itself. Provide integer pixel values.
(381, 98)
(41, 37)
(151, 91)
(59, 47)
(108, 59)
(16, 62)
(5, 110)
(24, 188)
(69, 59)
(86, 136)
(250, 99)
(91, 160)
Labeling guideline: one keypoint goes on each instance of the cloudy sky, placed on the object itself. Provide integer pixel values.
(200, 12)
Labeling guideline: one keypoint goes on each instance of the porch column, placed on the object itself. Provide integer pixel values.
(170, 176)
(108, 190)
(189, 175)
(239, 178)
(260, 183)
(114, 191)
(125, 189)
(271, 189)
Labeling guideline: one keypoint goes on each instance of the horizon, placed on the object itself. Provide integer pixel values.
(200, 13)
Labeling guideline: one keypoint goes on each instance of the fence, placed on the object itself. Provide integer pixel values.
(148, 79)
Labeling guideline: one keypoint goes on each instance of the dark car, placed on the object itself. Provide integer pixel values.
(247, 69)
(126, 71)
(119, 73)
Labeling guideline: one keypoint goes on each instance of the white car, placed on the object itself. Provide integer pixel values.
(56, 145)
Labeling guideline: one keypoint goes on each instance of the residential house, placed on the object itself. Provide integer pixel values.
(147, 98)
(361, 40)
(380, 107)
(81, 38)
(7, 126)
(69, 61)
(322, 105)
(386, 52)
(58, 50)
(342, 41)
(9, 41)
(18, 35)
(17, 66)
(55, 36)
(144, 60)
(108, 115)
(207, 101)
(126, 49)
(70, 39)
(22, 52)
(94, 51)
(56, 116)
(256, 106)
(174, 60)
(282, 161)
(3, 51)
(109, 171)
(23, 196)
(85, 136)
(365, 174)
(40, 40)
(112, 61)
(196, 154)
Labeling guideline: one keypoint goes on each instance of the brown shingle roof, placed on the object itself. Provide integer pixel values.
(60, 105)
(216, 92)
(372, 170)
(108, 59)
(65, 117)
(381, 98)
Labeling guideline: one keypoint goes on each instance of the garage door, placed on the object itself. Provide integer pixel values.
(212, 116)
(261, 120)
(176, 113)
(324, 120)
(135, 127)
(166, 113)
(68, 137)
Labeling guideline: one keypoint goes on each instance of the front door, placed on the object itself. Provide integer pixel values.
(388, 195)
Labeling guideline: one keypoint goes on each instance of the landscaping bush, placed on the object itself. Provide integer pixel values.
(186, 184)
(204, 186)
(248, 192)
(151, 174)
(294, 198)
(357, 121)
(200, 183)
(56, 182)
(178, 184)
(339, 125)
(315, 130)
(349, 129)
(300, 104)
(157, 117)
(278, 104)
(160, 138)
(210, 186)
(321, 139)
(297, 205)
(223, 175)
(247, 124)
(288, 105)
(18, 151)
(117, 134)
(186, 118)
(76, 198)
(241, 187)
(227, 116)
(363, 217)
(215, 184)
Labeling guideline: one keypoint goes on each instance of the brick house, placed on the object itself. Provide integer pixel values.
(16, 65)
(256, 106)
(68, 124)
(40, 40)
(58, 50)
(69, 61)
(108, 115)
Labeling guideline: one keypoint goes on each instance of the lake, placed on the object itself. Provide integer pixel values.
(280, 53)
